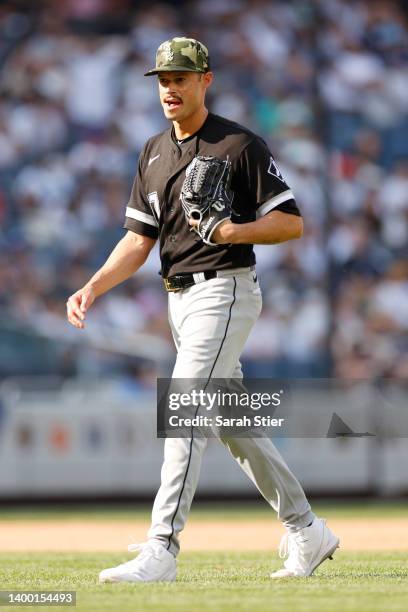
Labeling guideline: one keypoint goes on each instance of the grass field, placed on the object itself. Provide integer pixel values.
(358, 581)
(231, 581)
(219, 510)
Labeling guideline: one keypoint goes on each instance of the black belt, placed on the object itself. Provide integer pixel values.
(178, 282)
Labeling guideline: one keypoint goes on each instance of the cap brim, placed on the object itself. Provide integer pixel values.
(171, 69)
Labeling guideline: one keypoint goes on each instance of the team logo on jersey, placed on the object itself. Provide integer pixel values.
(274, 170)
(153, 199)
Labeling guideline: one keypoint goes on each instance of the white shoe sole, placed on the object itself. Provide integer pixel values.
(169, 576)
(327, 553)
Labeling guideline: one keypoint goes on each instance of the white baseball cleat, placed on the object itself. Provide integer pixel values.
(306, 549)
(153, 564)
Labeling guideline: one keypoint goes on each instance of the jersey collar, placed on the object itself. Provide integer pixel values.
(194, 138)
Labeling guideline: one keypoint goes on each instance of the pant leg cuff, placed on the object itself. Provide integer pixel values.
(300, 522)
(164, 541)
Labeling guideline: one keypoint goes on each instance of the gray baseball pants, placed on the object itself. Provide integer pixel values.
(211, 322)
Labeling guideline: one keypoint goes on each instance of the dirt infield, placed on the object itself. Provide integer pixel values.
(356, 534)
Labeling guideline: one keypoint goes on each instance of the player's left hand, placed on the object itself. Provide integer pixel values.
(206, 196)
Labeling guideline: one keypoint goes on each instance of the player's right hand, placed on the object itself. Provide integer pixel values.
(78, 304)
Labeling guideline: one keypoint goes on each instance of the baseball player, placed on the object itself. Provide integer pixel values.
(208, 189)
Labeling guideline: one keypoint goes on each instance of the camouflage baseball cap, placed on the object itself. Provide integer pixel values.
(183, 54)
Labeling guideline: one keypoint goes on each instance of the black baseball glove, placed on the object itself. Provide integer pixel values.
(206, 196)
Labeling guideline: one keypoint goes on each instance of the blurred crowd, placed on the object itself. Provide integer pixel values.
(324, 82)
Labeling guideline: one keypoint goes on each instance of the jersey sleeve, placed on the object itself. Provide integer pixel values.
(267, 189)
(141, 216)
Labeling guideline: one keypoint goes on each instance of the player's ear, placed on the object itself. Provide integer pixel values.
(208, 78)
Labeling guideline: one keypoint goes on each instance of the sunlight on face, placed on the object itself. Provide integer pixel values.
(182, 93)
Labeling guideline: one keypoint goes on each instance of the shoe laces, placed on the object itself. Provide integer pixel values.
(146, 549)
(294, 546)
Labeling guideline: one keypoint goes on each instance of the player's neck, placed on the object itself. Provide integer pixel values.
(191, 125)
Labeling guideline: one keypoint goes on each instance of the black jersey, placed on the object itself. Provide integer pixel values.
(155, 210)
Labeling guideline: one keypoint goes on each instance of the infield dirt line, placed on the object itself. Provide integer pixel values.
(75, 535)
